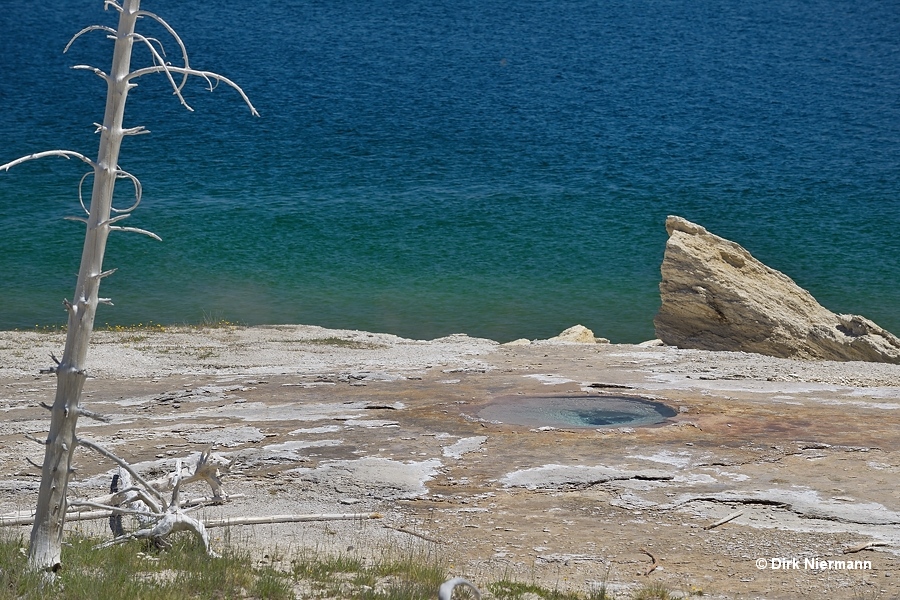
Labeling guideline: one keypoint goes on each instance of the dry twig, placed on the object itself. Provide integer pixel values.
(730, 517)
(864, 546)
(652, 567)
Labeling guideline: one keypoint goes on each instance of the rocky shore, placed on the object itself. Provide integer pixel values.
(794, 459)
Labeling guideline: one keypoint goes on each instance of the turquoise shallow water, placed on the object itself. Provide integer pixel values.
(429, 168)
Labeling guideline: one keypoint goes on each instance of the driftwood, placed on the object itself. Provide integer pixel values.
(722, 521)
(16, 519)
(652, 567)
(74, 514)
(427, 538)
(160, 516)
(230, 521)
(864, 546)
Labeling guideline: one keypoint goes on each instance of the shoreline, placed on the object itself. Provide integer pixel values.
(264, 349)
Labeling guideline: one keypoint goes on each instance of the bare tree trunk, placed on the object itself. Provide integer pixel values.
(46, 535)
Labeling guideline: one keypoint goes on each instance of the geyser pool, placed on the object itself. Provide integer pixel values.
(577, 411)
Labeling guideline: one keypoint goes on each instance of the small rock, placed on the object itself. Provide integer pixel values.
(578, 334)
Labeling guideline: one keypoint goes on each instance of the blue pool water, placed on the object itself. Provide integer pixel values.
(502, 169)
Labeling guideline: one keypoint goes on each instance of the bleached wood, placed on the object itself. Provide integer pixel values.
(157, 54)
(209, 76)
(64, 153)
(74, 514)
(109, 30)
(230, 521)
(175, 36)
(124, 465)
(724, 520)
(136, 230)
(98, 72)
(171, 522)
(139, 130)
(50, 512)
(138, 191)
(445, 592)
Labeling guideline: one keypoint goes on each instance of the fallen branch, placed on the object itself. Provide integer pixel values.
(20, 518)
(865, 546)
(653, 566)
(730, 517)
(229, 521)
(415, 533)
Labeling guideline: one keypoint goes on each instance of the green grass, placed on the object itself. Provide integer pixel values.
(340, 343)
(515, 590)
(184, 572)
(397, 575)
(138, 571)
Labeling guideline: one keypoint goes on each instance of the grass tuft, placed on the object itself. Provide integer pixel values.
(185, 572)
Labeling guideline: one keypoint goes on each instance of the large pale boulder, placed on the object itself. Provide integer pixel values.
(716, 296)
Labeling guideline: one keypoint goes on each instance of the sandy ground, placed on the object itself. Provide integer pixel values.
(805, 454)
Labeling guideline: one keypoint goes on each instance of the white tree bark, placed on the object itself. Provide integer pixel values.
(46, 534)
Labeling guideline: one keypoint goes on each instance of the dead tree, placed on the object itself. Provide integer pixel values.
(102, 218)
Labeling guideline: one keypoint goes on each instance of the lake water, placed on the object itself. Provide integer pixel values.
(502, 169)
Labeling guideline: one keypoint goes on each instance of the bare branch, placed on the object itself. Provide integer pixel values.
(136, 230)
(168, 523)
(139, 130)
(99, 73)
(197, 503)
(28, 436)
(116, 510)
(229, 521)
(105, 274)
(722, 521)
(64, 153)
(101, 450)
(95, 416)
(16, 520)
(79, 219)
(114, 219)
(107, 301)
(422, 536)
(80, 197)
(652, 567)
(50, 370)
(864, 546)
(157, 56)
(172, 32)
(207, 75)
(85, 30)
(176, 485)
(112, 3)
(33, 464)
(128, 496)
(158, 61)
(138, 191)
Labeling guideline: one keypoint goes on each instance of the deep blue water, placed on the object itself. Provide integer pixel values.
(502, 169)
